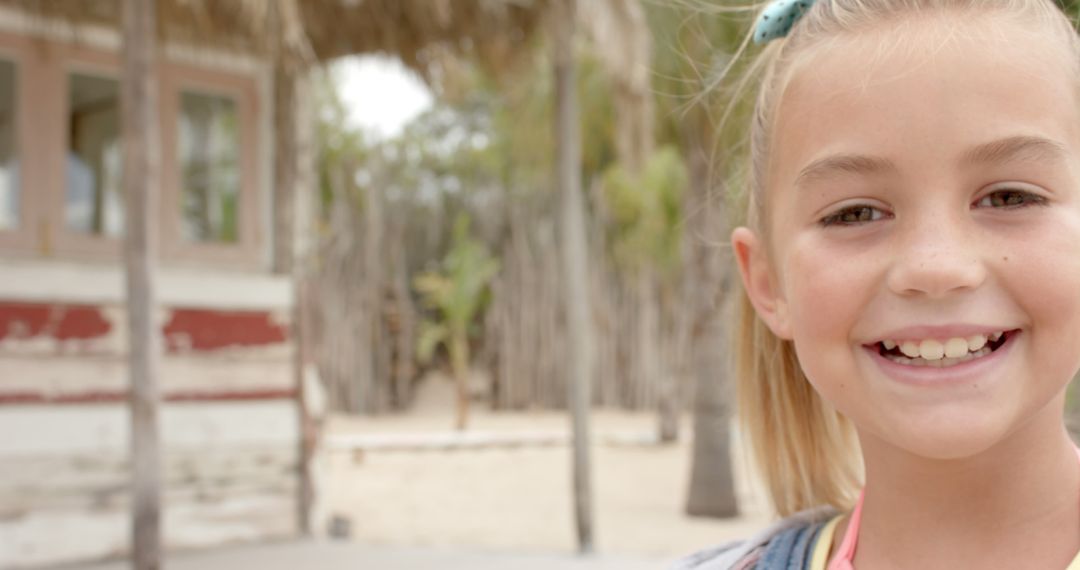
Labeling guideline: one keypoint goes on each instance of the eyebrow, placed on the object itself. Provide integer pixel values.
(843, 164)
(1017, 148)
(1008, 149)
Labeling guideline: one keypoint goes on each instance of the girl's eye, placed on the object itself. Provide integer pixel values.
(853, 215)
(1010, 198)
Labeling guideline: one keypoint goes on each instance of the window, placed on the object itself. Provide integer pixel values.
(62, 157)
(210, 147)
(209, 160)
(10, 197)
(93, 166)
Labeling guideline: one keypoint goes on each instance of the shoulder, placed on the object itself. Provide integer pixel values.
(784, 544)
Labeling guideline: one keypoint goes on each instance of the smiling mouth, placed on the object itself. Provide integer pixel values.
(938, 354)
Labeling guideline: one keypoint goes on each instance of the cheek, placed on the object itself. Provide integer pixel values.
(1042, 273)
(824, 289)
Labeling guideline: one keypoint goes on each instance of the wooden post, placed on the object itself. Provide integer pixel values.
(285, 164)
(294, 189)
(574, 267)
(139, 112)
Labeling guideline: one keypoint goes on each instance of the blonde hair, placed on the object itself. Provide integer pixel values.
(805, 450)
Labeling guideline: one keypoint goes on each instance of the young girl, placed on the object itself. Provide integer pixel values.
(911, 264)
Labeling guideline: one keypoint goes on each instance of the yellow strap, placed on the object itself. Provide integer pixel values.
(819, 558)
(1075, 564)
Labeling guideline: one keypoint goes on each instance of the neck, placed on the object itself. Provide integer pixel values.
(1024, 489)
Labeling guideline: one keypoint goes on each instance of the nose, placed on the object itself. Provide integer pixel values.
(936, 259)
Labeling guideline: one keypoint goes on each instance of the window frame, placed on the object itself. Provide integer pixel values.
(244, 252)
(32, 236)
(42, 70)
(70, 243)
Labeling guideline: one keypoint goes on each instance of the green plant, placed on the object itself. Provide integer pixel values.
(456, 294)
(646, 212)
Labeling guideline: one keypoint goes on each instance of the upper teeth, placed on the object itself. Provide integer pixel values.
(931, 349)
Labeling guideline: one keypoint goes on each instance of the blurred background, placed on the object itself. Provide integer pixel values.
(426, 283)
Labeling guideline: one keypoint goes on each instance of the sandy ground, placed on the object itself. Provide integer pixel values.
(316, 555)
(519, 499)
(428, 504)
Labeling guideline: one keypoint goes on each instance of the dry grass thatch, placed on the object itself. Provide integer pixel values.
(311, 31)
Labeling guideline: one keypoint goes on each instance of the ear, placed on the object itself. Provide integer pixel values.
(759, 281)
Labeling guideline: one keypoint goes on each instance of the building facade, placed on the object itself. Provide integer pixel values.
(229, 418)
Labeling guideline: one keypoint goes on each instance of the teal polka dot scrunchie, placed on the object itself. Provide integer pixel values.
(776, 21)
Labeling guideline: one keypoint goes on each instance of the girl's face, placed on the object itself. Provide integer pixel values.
(924, 190)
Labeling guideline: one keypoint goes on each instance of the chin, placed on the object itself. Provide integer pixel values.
(948, 437)
(947, 448)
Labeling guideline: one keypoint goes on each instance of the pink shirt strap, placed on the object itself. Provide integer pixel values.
(845, 555)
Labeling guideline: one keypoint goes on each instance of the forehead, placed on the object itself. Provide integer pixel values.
(924, 91)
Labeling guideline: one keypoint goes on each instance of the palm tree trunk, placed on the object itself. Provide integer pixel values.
(574, 266)
(139, 109)
(712, 484)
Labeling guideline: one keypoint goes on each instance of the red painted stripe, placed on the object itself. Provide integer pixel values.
(202, 330)
(55, 320)
(188, 329)
(113, 396)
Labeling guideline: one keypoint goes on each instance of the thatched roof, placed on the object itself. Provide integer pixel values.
(318, 30)
(488, 29)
